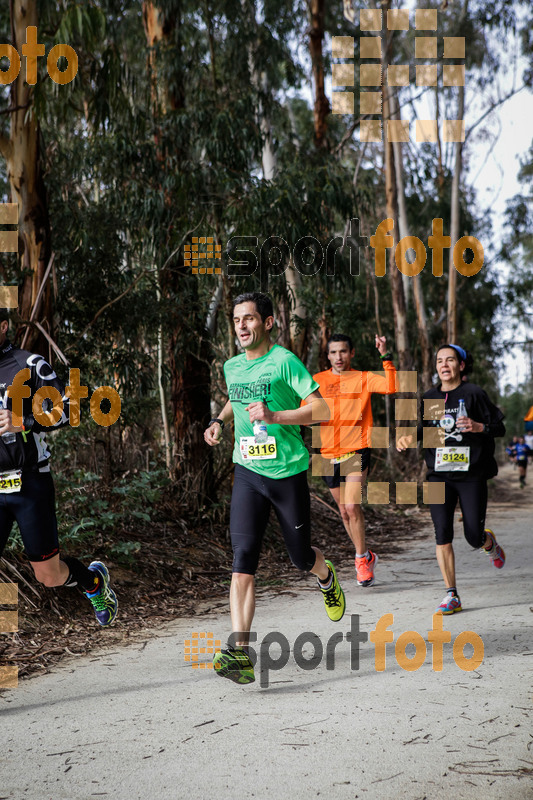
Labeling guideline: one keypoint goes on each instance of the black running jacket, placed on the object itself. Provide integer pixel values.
(29, 451)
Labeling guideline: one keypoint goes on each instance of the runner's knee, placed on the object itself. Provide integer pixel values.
(443, 535)
(475, 537)
(303, 559)
(353, 510)
(245, 561)
(344, 515)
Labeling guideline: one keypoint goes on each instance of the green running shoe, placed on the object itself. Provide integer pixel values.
(334, 599)
(234, 663)
(104, 600)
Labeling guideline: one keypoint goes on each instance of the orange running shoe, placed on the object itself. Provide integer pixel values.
(364, 569)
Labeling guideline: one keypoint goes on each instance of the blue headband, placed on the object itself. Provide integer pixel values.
(459, 350)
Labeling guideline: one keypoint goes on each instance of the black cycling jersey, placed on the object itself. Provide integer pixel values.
(29, 451)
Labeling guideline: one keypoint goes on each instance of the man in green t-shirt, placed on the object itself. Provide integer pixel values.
(266, 384)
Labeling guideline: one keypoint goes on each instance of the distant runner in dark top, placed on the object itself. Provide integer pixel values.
(266, 384)
(521, 453)
(510, 450)
(464, 463)
(27, 494)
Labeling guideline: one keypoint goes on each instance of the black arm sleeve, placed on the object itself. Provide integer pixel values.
(43, 375)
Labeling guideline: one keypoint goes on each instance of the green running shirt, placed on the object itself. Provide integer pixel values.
(280, 379)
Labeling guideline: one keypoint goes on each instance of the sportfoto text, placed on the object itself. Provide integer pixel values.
(32, 50)
(274, 256)
(380, 637)
(73, 392)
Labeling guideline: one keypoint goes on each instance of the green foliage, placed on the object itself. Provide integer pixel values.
(88, 511)
(515, 405)
(517, 248)
(148, 148)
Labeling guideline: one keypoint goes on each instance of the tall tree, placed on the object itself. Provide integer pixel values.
(455, 209)
(316, 39)
(22, 153)
(391, 205)
(188, 356)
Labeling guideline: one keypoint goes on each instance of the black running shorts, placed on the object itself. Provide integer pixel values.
(472, 496)
(252, 498)
(340, 471)
(33, 508)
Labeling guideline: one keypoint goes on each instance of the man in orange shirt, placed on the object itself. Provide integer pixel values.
(346, 437)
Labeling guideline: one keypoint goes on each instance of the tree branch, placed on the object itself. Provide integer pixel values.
(49, 339)
(107, 305)
(37, 303)
(14, 108)
(356, 124)
(178, 248)
(495, 105)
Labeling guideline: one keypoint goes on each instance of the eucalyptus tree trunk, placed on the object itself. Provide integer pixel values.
(188, 350)
(292, 334)
(395, 277)
(454, 226)
(152, 20)
(21, 151)
(455, 211)
(420, 306)
(321, 103)
(259, 82)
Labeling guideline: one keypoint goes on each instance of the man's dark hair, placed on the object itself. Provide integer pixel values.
(4, 314)
(263, 303)
(339, 337)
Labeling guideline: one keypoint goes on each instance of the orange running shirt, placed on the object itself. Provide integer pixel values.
(348, 399)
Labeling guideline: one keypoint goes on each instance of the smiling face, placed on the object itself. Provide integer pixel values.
(253, 334)
(339, 356)
(449, 367)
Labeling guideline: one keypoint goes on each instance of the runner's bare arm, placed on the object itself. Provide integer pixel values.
(6, 422)
(213, 432)
(467, 425)
(315, 410)
(403, 443)
(383, 384)
(381, 344)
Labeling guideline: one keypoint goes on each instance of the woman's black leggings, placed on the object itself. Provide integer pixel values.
(472, 496)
